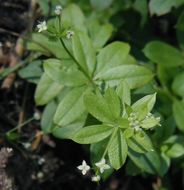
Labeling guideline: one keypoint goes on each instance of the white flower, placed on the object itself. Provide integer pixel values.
(41, 161)
(58, 9)
(42, 26)
(36, 116)
(84, 167)
(102, 165)
(137, 128)
(69, 34)
(9, 150)
(26, 145)
(40, 175)
(95, 178)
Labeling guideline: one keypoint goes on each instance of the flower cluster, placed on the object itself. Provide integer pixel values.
(136, 124)
(42, 26)
(101, 166)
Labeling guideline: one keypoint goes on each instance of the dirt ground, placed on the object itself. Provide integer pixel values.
(41, 162)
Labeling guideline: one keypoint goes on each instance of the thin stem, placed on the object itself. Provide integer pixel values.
(110, 140)
(77, 63)
(21, 125)
(59, 17)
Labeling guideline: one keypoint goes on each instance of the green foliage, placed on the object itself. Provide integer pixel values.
(100, 4)
(46, 90)
(168, 57)
(109, 109)
(160, 7)
(90, 80)
(178, 86)
(178, 111)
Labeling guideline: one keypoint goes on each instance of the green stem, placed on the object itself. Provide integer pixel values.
(72, 57)
(110, 140)
(77, 63)
(21, 125)
(59, 17)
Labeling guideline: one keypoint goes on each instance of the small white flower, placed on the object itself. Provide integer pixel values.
(9, 150)
(36, 116)
(69, 34)
(26, 145)
(41, 161)
(137, 128)
(102, 165)
(42, 26)
(84, 167)
(158, 118)
(58, 9)
(95, 178)
(133, 115)
(40, 175)
(130, 119)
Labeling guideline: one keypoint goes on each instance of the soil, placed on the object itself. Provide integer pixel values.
(47, 163)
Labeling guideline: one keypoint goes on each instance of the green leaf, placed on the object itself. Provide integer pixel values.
(167, 57)
(180, 24)
(149, 162)
(113, 102)
(129, 132)
(71, 107)
(160, 7)
(134, 75)
(47, 117)
(175, 146)
(42, 43)
(99, 33)
(32, 72)
(175, 151)
(112, 55)
(132, 169)
(72, 16)
(123, 92)
(166, 74)
(65, 75)
(122, 122)
(143, 106)
(101, 4)
(84, 52)
(97, 150)
(142, 8)
(68, 131)
(130, 60)
(13, 136)
(140, 143)
(97, 106)
(92, 134)
(117, 150)
(149, 123)
(180, 30)
(178, 111)
(46, 90)
(164, 164)
(165, 131)
(44, 6)
(178, 85)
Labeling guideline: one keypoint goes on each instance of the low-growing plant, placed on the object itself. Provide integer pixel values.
(95, 92)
